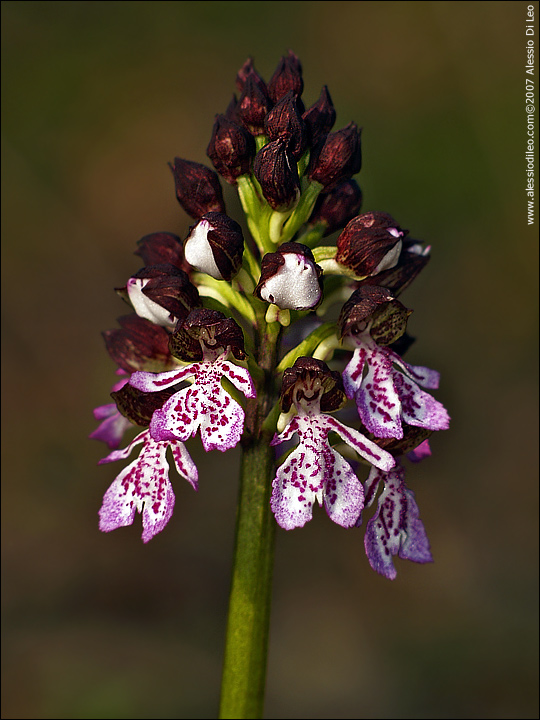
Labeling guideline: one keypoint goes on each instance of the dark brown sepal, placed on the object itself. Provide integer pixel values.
(272, 264)
(198, 189)
(139, 345)
(285, 121)
(287, 76)
(231, 149)
(367, 240)
(138, 406)
(412, 437)
(209, 328)
(224, 237)
(398, 278)
(253, 106)
(277, 174)
(320, 118)
(338, 207)
(298, 383)
(171, 288)
(375, 305)
(161, 247)
(337, 157)
(248, 71)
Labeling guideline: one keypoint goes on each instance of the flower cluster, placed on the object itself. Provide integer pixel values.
(231, 337)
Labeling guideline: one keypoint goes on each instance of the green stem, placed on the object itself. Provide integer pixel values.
(246, 645)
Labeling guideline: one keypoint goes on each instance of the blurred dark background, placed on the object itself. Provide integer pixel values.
(97, 97)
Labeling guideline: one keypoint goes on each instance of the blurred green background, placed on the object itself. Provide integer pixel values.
(97, 97)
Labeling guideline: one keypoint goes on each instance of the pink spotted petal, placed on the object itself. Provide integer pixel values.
(184, 464)
(376, 398)
(142, 486)
(343, 495)
(396, 528)
(353, 373)
(364, 447)
(152, 382)
(298, 483)
(422, 375)
(178, 419)
(418, 407)
(125, 452)
(287, 433)
(222, 422)
(240, 378)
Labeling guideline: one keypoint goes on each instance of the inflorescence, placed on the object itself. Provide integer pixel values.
(192, 355)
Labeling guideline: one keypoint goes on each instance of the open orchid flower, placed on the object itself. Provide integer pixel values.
(144, 485)
(205, 404)
(385, 395)
(314, 470)
(396, 528)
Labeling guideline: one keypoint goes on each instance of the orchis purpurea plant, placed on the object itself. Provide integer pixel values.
(236, 333)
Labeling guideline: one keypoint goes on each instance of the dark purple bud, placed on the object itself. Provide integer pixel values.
(161, 247)
(336, 158)
(370, 243)
(248, 71)
(377, 308)
(320, 118)
(253, 106)
(231, 149)
(198, 189)
(287, 76)
(336, 208)
(139, 345)
(290, 278)
(277, 173)
(215, 246)
(162, 294)
(311, 380)
(206, 331)
(285, 121)
(138, 406)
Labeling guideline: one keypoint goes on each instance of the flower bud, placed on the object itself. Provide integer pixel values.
(198, 189)
(277, 174)
(162, 294)
(215, 246)
(231, 149)
(370, 243)
(312, 380)
(206, 331)
(290, 278)
(285, 121)
(336, 208)
(137, 406)
(337, 157)
(287, 76)
(253, 106)
(320, 118)
(374, 307)
(161, 247)
(139, 345)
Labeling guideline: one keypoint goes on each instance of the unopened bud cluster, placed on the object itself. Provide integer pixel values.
(233, 332)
